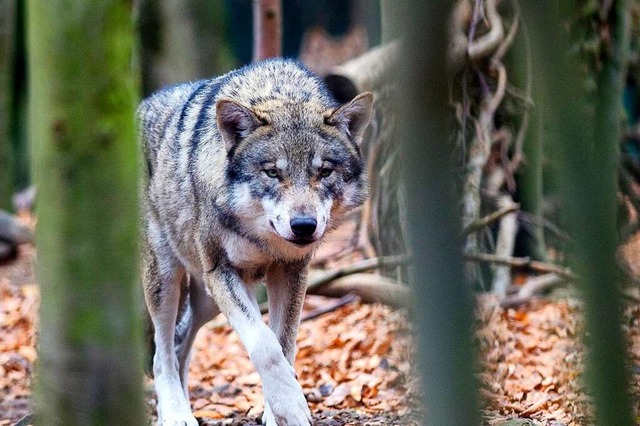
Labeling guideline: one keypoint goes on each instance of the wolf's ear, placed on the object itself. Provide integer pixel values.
(352, 118)
(235, 121)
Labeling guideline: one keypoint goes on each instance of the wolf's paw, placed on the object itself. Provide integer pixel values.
(179, 420)
(267, 416)
(295, 413)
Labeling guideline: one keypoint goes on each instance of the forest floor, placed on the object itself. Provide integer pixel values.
(355, 363)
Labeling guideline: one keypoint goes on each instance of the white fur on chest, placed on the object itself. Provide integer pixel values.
(242, 253)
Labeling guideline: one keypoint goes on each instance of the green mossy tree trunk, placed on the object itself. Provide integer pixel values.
(586, 157)
(8, 9)
(82, 108)
(442, 306)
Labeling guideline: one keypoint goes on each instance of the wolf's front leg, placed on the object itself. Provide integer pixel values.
(161, 276)
(283, 394)
(286, 287)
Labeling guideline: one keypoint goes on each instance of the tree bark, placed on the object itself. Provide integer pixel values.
(83, 95)
(267, 29)
(442, 304)
(8, 9)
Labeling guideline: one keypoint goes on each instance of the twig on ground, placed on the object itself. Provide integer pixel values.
(344, 300)
(535, 407)
(532, 287)
(522, 262)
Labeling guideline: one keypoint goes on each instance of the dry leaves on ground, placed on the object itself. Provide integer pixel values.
(353, 363)
(356, 357)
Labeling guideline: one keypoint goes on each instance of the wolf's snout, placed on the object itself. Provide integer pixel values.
(303, 226)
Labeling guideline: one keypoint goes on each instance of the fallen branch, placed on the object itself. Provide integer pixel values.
(531, 288)
(537, 406)
(369, 71)
(321, 278)
(370, 288)
(522, 262)
(344, 300)
(490, 218)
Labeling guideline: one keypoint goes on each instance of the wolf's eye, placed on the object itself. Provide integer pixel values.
(272, 173)
(325, 172)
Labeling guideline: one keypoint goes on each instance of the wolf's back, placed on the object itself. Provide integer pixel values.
(155, 115)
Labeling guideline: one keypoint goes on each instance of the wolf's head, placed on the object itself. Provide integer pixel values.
(294, 169)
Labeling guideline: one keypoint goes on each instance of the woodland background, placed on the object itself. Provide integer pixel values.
(492, 277)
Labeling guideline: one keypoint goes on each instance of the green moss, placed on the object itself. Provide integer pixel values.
(84, 93)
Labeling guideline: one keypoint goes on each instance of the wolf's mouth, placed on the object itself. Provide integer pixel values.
(302, 242)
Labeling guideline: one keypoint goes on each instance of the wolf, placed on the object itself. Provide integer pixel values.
(244, 175)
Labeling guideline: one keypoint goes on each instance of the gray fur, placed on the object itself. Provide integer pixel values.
(245, 173)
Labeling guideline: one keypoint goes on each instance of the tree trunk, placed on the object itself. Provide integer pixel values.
(7, 43)
(530, 177)
(442, 306)
(83, 88)
(587, 159)
(267, 29)
(169, 51)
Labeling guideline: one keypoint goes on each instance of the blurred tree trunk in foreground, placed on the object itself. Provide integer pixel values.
(586, 158)
(83, 91)
(8, 11)
(442, 310)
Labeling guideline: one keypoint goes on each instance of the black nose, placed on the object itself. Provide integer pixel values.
(303, 226)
